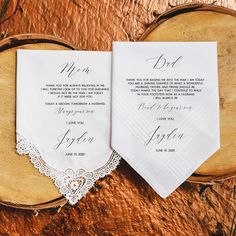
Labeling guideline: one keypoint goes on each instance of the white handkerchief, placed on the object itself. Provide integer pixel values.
(63, 116)
(165, 109)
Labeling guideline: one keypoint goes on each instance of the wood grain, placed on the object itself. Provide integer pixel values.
(122, 204)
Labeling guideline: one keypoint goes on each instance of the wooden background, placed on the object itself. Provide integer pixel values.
(123, 203)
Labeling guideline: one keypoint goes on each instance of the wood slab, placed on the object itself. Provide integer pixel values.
(197, 22)
(21, 184)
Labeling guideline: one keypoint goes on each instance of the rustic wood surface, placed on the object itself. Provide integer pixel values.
(123, 203)
(37, 191)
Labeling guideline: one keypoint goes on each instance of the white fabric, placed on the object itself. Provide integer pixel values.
(63, 116)
(161, 125)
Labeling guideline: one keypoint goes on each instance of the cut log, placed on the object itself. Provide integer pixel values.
(199, 22)
(21, 184)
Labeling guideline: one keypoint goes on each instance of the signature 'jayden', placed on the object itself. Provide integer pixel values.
(157, 137)
(67, 140)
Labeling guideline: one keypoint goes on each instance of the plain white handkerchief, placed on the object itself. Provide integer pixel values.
(63, 116)
(165, 109)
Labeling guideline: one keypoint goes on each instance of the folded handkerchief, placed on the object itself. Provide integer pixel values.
(165, 109)
(63, 116)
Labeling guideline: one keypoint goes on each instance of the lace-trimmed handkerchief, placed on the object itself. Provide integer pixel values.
(63, 116)
(165, 109)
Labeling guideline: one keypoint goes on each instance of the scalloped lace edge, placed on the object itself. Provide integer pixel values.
(72, 184)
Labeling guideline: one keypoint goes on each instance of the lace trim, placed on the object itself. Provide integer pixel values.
(72, 184)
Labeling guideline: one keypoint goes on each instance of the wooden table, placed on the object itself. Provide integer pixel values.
(123, 203)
